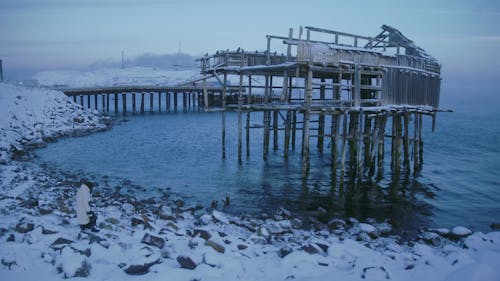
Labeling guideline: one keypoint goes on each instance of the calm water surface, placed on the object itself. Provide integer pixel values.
(181, 152)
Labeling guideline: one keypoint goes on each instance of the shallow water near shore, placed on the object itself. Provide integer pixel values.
(181, 153)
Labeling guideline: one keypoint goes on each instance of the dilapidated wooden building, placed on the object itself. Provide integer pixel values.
(354, 91)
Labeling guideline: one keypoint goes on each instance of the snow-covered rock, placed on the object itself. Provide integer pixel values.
(460, 231)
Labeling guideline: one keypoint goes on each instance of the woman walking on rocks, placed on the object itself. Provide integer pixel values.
(86, 218)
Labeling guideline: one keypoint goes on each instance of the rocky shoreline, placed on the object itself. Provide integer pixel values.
(162, 230)
(162, 236)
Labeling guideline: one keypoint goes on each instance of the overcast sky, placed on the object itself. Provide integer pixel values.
(66, 34)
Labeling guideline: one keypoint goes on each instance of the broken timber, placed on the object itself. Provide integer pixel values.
(357, 84)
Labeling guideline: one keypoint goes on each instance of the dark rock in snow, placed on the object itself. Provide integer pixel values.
(140, 269)
(61, 241)
(323, 246)
(216, 246)
(79, 119)
(284, 251)
(82, 271)
(202, 233)
(85, 252)
(242, 247)
(495, 226)
(186, 262)
(373, 272)
(24, 227)
(11, 238)
(30, 203)
(311, 249)
(153, 241)
(136, 221)
(112, 221)
(179, 203)
(45, 210)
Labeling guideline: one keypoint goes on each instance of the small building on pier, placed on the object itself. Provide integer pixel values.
(346, 89)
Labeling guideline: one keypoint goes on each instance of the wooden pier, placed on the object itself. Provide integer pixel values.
(139, 99)
(353, 94)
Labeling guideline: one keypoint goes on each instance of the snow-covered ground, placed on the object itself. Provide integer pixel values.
(163, 239)
(114, 77)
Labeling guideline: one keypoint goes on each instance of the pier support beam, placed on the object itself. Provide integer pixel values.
(142, 103)
(116, 102)
(124, 102)
(305, 131)
(224, 117)
(134, 109)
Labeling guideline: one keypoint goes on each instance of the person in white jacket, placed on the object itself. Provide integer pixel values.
(86, 218)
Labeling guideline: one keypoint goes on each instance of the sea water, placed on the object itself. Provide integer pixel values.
(181, 153)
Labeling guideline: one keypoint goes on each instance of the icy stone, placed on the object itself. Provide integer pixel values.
(375, 273)
(312, 248)
(461, 231)
(384, 229)
(202, 233)
(45, 210)
(24, 227)
(274, 227)
(441, 231)
(112, 220)
(186, 262)
(61, 241)
(140, 269)
(206, 219)
(284, 251)
(153, 241)
(431, 238)
(336, 224)
(166, 213)
(285, 224)
(242, 247)
(284, 213)
(367, 228)
(195, 241)
(264, 232)
(11, 238)
(181, 232)
(220, 217)
(73, 265)
(216, 246)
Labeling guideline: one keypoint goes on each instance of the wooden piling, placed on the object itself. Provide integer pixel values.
(142, 102)
(175, 101)
(406, 140)
(151, 105)
(103, 103)
(305, 131)
(184, 102)
(116, 102)
(275, 129)
(168, 97)
(294, 128)
(88, 101)
(224, 116)
(95, 102)
(321, 119)
(159, 101)
(240, 122)
(134, 109)
(286, 141)
(124, 102)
